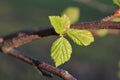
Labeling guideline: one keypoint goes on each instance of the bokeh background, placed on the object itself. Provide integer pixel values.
(99, 61)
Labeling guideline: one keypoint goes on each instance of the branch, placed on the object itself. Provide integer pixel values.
(14, 40)
(41, 65)
(109, 31)
(21, 37)
(97, 25)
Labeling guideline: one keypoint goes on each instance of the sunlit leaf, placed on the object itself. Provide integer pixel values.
(65, 21)
(102, 32)
(117, 19)
(117, 2)
(61, 51)
(60, 24)
(73, 13)
(56, 23)
(80, 37)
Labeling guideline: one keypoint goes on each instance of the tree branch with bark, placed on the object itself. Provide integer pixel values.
(9, 44)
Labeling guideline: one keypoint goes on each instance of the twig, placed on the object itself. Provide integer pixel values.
(32, 61)
(21, 37)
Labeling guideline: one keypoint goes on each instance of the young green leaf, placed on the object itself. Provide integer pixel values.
(73, 13)
(61, 51)
(66, 22)
(60, 24)
(117, 2)
(117, 19)
(102, 32)
(56, 23)
(80, 37)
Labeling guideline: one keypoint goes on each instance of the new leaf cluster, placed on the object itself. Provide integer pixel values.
(61, 49)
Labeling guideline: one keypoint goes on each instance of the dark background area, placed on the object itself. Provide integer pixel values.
(99, 61)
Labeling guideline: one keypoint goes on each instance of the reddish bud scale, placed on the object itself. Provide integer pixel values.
(117, 13)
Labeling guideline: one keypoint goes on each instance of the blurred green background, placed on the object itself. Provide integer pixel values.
(99, 61)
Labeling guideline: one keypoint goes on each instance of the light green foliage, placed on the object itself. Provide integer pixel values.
(117, 19)
(117, 2)
(60, 24)
(61, 51)
(56, 23)
(102, 32)
(73, 13)
(80, 37)
(66, 22)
